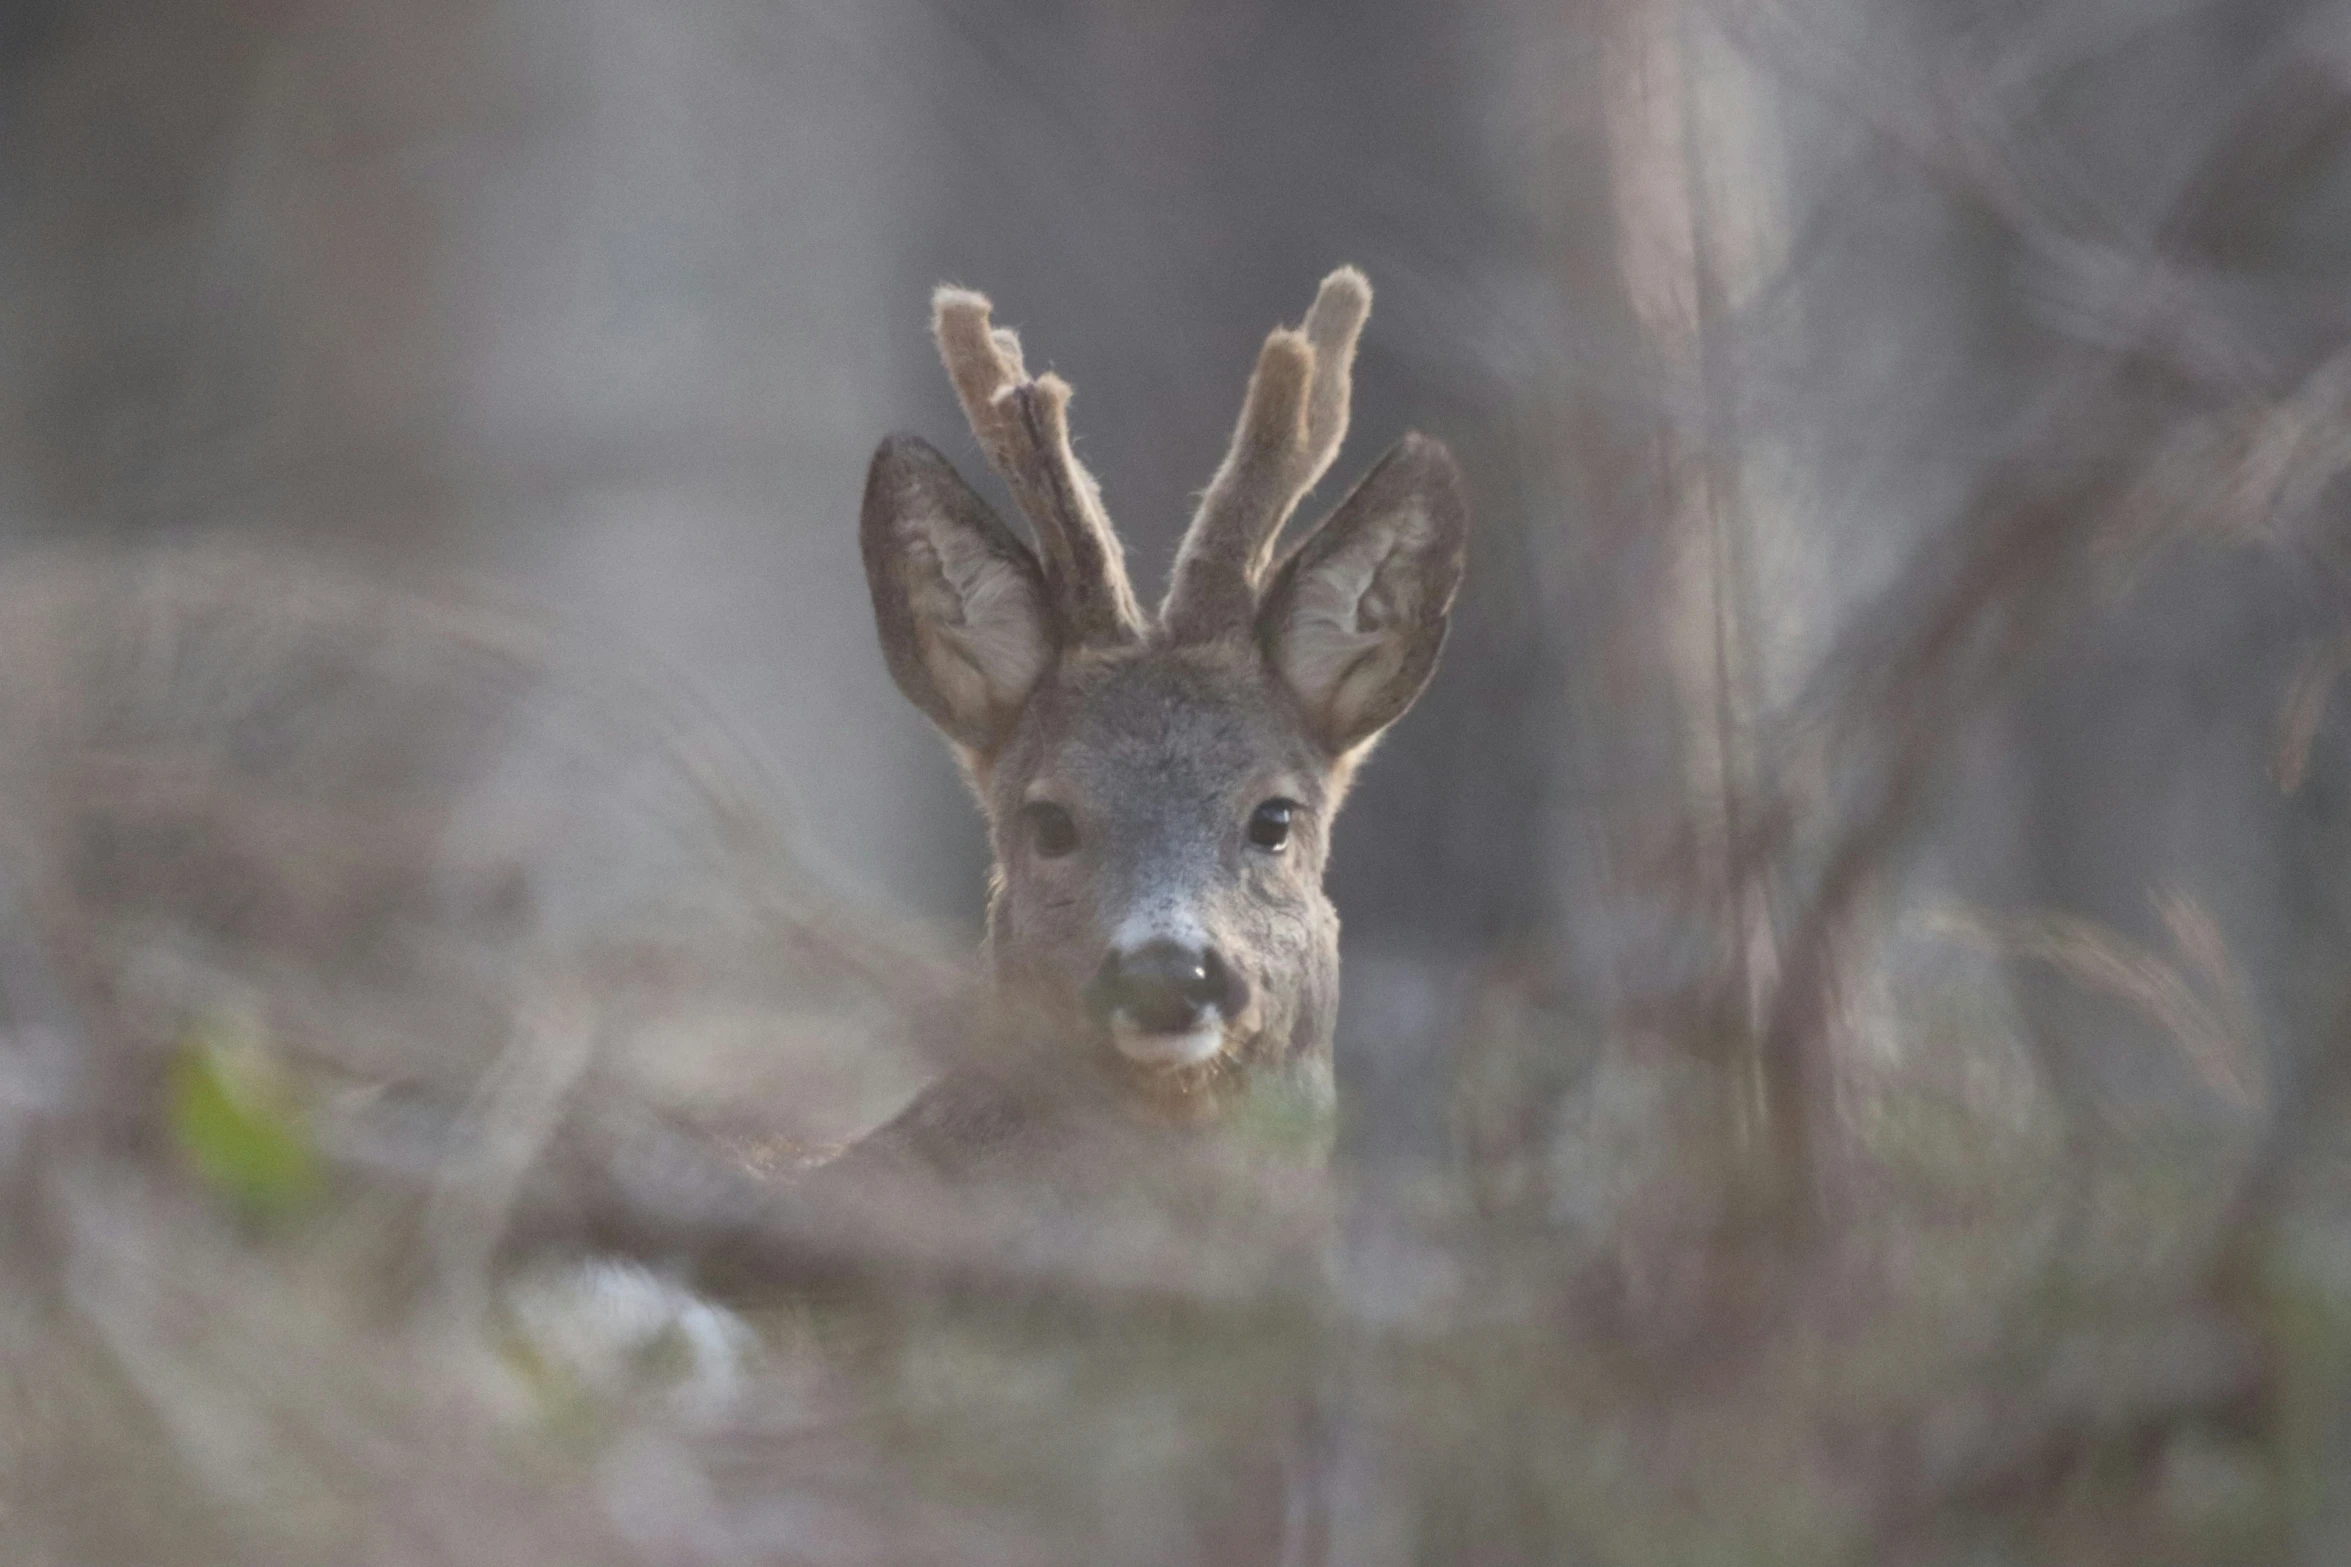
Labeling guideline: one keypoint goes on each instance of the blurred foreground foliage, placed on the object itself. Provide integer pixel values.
(238, 1122)
(567, 1277)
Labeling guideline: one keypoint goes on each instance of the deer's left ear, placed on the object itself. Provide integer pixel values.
(1353, 619)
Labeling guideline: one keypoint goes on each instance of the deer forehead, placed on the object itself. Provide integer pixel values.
(1137, 729)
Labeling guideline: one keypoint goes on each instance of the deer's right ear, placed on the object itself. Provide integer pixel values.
(959, 600)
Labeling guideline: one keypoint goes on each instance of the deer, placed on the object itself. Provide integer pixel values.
(1158, 786)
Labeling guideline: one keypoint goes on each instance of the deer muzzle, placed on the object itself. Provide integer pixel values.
(1166, 1003)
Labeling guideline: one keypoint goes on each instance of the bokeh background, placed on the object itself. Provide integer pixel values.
(1890, 708)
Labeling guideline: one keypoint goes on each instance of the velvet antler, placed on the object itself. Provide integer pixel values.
(1292, 422)
(1022, 424)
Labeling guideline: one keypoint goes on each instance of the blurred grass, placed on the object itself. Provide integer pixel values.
(492, 964)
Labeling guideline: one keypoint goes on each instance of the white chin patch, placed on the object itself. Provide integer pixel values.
(1166, 1052)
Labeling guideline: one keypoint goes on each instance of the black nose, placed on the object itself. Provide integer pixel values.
(1162, 987)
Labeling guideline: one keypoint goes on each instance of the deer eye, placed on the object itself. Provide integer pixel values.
(1269, 824)
(1051, 832)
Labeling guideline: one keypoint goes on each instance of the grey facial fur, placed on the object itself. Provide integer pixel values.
(1160, 755)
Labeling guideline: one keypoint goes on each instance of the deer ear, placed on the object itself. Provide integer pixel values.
(959, 600)
(1354, 617)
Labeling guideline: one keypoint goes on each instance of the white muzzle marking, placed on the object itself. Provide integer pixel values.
(1168, 1052)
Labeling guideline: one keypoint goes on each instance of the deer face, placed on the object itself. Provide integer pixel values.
(1159, 819)
(1159, 790)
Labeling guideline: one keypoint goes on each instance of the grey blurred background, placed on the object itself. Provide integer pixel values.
(610, 301)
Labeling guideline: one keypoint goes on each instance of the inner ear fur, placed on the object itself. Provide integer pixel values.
(959, 600)
(1353, 619)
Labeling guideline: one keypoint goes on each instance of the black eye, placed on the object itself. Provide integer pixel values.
(1269, 824)
(1051, 833)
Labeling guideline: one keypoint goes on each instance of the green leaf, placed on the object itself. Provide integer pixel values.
(238, 1121)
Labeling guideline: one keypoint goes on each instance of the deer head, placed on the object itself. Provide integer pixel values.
(1159, 789)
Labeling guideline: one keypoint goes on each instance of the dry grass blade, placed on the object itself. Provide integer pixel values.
(2197, 937)
(2213, 1034)
(2303, 712)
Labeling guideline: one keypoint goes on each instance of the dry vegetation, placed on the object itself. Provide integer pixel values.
(373, 960)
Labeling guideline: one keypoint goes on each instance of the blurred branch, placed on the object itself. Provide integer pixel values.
(513, 1115)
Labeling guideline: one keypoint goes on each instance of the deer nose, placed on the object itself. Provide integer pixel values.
(1162, 987)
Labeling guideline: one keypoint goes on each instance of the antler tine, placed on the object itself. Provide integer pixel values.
(1293, 420)
(1023, 426)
